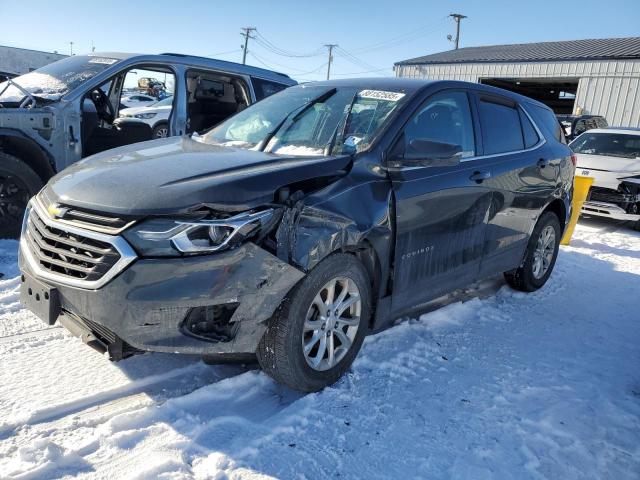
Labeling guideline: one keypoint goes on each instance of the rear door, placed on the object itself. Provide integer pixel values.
(440, 211)
(523, 178)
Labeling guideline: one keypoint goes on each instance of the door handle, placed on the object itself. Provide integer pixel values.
(543, 162)
(479, 177)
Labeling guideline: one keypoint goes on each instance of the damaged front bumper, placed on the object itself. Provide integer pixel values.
(622, 203)
(211, 305)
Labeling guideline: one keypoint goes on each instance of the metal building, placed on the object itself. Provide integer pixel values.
(16, 61)
(599, 76)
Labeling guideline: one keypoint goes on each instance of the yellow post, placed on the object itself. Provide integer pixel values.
(581, 186)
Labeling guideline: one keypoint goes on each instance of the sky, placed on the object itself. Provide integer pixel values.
(291, 35)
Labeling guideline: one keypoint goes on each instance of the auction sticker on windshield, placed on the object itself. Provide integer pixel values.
(103, 60)
(381, 95)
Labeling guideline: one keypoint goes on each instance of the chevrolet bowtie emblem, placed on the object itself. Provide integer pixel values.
(56, 211)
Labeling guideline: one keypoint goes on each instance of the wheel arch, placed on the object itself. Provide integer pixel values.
(28, 151)
(557, 207)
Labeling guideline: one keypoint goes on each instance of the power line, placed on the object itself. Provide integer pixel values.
(265, 43)
(357, 61)
(267, 63)
(228, 52)
(405, 37)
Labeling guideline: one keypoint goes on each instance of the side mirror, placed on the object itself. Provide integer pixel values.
(428, 153)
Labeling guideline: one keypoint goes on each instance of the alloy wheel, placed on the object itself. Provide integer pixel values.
(543, 254)
(162, 132)
(331, 323)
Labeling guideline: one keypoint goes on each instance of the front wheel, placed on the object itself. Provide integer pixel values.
(18, 183)
(161, 130)
(318, 330)
(540, 257)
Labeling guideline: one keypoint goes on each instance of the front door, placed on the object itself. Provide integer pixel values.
(441, 212)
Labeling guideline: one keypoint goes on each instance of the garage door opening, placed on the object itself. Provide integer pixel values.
(557, 93)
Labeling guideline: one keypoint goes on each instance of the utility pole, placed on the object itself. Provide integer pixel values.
(457, 17)
(247, 35)
(330, 46)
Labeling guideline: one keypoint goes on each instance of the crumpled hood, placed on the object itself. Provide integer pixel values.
(176, 174)
(625, 166)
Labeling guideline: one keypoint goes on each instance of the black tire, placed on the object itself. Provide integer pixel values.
(280, 352)
(157, 129)
(523, 278)
(18, 183)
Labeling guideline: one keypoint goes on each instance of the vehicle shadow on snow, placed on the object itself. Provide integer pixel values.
(251, 420)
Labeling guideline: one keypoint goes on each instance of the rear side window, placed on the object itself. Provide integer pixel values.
(264, 88)
(501, 131)
(528, 131)
(547, 121)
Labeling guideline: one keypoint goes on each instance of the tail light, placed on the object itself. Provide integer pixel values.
(574, 159)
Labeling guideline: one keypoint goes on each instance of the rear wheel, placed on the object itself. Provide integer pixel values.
(540, 257)
(318, 330)
(18, 183)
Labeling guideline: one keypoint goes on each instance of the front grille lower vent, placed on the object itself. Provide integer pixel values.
(68, 254)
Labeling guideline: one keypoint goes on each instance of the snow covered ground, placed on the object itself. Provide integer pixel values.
(545, 385)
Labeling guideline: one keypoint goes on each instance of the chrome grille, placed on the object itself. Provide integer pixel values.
(58, 251)
(69, 254)
(85, 218)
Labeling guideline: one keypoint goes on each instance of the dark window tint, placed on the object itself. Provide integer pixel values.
(528, 131)
(445, 117)
(501, 130)
(547, 122)
(264, 88)
(601, 122)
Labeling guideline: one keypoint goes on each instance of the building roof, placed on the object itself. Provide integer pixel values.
(590, 49)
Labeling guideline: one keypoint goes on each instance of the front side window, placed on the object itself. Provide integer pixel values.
(608, 144)
(310, 121)
(445, 118)
(501, 131)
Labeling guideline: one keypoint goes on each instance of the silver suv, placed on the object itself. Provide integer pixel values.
(70, 109)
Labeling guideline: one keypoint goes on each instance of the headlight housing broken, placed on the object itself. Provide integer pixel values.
(164, 237)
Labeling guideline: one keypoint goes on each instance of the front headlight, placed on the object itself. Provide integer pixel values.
(160, 237)
(145, 116)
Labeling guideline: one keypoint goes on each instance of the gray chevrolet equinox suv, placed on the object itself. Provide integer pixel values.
(299, 225)
(73, 108)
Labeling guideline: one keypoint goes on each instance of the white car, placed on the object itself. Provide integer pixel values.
(138, 100)
(612, 157)
(156, 116)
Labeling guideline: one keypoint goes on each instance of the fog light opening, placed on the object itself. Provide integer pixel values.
(211, 323)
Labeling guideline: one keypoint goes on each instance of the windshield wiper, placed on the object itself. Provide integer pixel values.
(300, 111)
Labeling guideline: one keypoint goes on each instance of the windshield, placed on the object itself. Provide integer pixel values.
(52, 81)
(310, 120)
(167, 102)
(609, 144)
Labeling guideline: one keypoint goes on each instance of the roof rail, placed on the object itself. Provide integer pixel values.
(184, 55)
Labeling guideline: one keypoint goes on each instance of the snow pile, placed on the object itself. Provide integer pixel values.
(544, 385)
